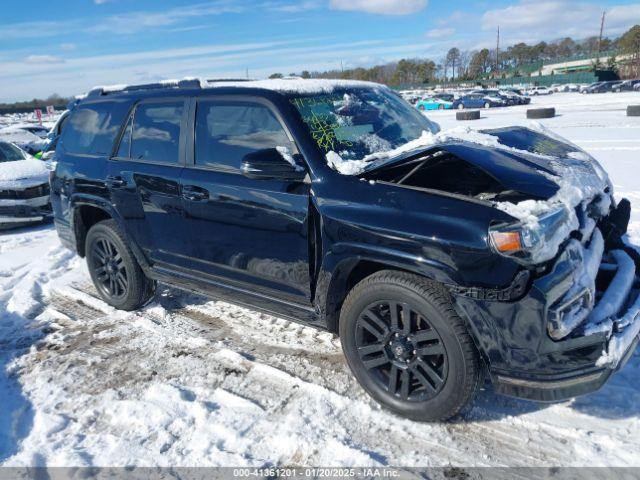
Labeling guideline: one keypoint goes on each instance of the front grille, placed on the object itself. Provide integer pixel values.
(26, 194)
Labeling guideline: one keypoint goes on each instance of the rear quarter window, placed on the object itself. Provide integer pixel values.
(90, 130)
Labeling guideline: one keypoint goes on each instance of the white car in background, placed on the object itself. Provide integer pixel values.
(24, 188)
(538, 91)
(30, 137)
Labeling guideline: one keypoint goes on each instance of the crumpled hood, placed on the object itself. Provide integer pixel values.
(22, 174)
(556, 177)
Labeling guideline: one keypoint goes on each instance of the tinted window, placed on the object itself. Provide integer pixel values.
(226, 132)
(156, 132)
(90, 130)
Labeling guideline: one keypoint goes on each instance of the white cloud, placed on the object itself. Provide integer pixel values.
(288, 7)
(383, 7)
(19, 80)
(530, 20)
(42, 59)
(126, 23)
(441, 33)
(67, 47)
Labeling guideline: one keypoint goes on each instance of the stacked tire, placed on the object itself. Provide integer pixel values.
(633, 111)
(538, 113)
(468, 115)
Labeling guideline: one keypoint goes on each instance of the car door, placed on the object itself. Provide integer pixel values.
(144, 178)
(247, 232)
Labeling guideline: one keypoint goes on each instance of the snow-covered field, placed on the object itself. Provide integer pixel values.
(189, 381)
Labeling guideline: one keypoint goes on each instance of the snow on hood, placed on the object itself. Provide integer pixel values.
(23, 174)
(21, 137)
(427, 139)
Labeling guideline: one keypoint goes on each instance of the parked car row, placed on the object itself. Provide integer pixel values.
(479, 98)
(612, 86)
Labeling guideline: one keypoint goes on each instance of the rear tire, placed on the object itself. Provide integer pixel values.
(114, 270)
(426, 368)
(487, 105)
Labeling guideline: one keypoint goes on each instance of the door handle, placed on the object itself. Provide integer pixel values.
(116, 181)
(194, 194)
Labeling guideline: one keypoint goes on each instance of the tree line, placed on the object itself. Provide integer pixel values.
(29, 105)
(514, 60)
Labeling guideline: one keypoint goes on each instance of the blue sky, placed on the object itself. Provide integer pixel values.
(69, 46)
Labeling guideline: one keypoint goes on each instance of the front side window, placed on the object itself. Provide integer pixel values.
(228, 131)
(90, 130)
(156, 132)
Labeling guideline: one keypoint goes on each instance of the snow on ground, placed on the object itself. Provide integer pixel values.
(190, 381)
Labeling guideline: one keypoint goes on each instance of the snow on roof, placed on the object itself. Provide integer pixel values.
(298, 85)
(284, 85)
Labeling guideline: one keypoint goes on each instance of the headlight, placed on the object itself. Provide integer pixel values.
(533, 241)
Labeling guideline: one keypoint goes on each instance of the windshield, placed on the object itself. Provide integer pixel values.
(9, 153)
(357, 123)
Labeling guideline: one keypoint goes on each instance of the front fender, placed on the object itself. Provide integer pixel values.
(340, 262)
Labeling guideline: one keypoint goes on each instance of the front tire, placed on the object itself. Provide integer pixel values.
(114, 270)
(487, 105)
(408, 348)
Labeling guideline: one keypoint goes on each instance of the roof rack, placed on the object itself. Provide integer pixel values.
(222, 80)
(185, 83)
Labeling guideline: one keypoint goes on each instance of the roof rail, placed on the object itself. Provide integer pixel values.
(185, 83)
(221, 80)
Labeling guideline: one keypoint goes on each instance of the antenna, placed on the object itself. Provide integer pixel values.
(601, 32)
(498, 54)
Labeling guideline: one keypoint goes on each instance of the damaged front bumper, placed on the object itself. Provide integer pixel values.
(577, 324)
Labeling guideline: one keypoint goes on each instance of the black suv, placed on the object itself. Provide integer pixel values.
(437, 259)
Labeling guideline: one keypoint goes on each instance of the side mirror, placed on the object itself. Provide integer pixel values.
(270, 164)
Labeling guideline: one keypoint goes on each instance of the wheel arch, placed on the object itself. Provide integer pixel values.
(89, 210)
(346, 272)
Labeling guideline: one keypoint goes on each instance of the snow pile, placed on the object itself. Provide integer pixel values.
(22, 138)
(580, 180)
(620, 343)
(23, 174)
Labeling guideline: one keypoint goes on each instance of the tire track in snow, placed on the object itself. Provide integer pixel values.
(258, 366)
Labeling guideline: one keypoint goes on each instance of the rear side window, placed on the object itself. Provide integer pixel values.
(156, 132)
(227, 131)
(90, 130)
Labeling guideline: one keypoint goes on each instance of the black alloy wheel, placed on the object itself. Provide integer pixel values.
(407, 346)
(110, 268)
(114, 269)
(401, 350)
